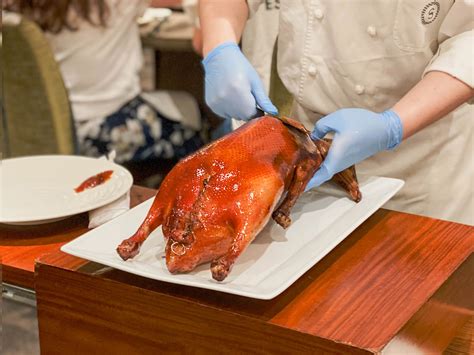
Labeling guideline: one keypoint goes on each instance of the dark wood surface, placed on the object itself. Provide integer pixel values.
(443, 318)
(463, 343)
(391, 284)
(20, 246)
(94, 315)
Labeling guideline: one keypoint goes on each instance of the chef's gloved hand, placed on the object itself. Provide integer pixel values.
(358, 134)
(233, 87)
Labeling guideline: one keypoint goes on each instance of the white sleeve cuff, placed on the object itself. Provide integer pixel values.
(455, 57)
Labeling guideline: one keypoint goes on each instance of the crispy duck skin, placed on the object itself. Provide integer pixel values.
(214, 203)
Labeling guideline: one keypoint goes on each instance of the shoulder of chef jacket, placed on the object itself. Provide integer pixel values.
(336, 53)
(259, 37)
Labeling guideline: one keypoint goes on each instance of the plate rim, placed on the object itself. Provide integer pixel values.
(258, 292)
(31, 221)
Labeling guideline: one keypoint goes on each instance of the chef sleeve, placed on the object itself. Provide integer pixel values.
(253, 6)
(456, 44)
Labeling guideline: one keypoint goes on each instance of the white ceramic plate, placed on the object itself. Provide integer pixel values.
(276, 258)
(152, 14)
(40, 189)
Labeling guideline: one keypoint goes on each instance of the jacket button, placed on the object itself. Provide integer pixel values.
(319, 14)
(372, 31)
(312, 70)
(359, 89)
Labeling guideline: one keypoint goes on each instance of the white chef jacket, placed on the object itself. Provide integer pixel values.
(259, 37)
(258, 41)
(363, 53)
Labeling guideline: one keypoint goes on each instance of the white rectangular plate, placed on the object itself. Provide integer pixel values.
(276, 258)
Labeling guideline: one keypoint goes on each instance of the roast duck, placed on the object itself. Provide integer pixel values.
(213, 203)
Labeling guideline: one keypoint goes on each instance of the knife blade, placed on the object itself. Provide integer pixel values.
(285, 120)
(260, 112)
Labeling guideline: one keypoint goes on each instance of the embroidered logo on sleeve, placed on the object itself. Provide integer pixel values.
(430, 12)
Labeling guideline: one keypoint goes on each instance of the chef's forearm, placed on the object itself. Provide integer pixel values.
(433, 97)
(221, 21)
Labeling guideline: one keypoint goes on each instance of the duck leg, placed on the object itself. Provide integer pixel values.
(347, 178)
(131, 246)
(303, 173)
(247, 227)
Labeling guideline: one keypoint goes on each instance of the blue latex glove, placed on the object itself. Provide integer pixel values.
(233, 87)
(359, 134)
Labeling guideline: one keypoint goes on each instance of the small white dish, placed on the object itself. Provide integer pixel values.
(153, 14)
(275, 259)
(40, 189)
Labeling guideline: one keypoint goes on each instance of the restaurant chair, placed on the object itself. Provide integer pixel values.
(37, 112)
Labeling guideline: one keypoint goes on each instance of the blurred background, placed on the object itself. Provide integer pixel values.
(90, 77)
(102, 77)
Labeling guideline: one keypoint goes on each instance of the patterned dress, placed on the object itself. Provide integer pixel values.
(137, 132)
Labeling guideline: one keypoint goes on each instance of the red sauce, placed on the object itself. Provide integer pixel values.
(94, 181)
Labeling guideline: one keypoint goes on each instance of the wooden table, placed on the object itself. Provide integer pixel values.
(400, 283)
(20, 246)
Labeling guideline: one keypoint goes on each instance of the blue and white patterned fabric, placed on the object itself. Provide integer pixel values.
(137, 132)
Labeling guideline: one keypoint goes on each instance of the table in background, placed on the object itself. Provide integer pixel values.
(174, 34)
(170, 62)
(20, 246)
(399, 283)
